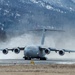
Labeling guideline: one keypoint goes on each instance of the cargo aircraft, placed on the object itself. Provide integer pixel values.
(37, 51)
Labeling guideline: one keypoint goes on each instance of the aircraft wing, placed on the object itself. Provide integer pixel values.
(61, 51)
(16, 50)
(52, 49)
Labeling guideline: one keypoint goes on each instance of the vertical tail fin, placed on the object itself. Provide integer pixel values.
(43, 37)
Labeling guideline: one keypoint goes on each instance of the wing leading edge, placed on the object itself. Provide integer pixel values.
(52, 49)
(15, 50)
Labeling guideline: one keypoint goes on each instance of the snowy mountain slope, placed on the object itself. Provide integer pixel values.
(65, 4)
(18, 15)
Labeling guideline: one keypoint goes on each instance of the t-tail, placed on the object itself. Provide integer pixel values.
(44, 32)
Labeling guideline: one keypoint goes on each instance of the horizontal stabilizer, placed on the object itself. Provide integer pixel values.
(46, 29)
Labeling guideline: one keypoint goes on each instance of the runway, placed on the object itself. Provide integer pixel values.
(22, 61)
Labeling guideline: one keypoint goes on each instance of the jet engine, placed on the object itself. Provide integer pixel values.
(47, 51)
(61, 52)
(17, 50)
(5, 51)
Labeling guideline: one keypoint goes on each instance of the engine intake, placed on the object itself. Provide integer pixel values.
(61, 52)
(47, 51)
(5, 51)
(17, 50)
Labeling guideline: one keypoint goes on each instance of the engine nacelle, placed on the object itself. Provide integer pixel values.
(61, 52)
(47, 51)
(17, 50)
(5, 51)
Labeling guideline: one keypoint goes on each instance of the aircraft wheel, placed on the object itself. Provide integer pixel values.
(43, 58)
(27, 58)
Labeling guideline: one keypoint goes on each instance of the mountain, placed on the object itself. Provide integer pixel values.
(16, 16)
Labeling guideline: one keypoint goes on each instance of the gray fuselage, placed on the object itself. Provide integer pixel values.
(33, 52)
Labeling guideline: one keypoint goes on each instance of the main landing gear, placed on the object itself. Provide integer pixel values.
(27, 58)
(41, 58)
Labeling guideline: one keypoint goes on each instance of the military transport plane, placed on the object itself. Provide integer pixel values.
(35, 51)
